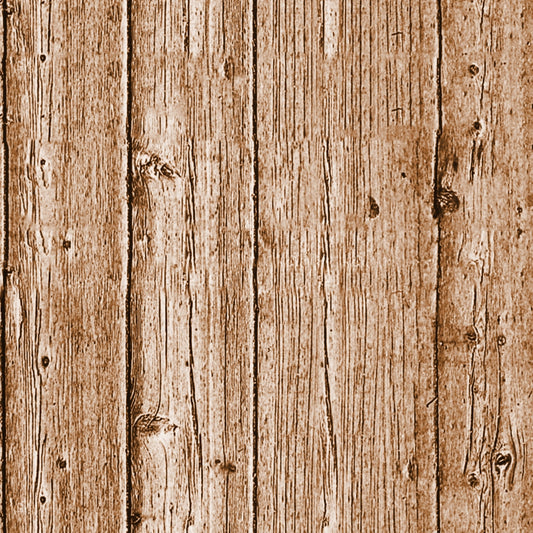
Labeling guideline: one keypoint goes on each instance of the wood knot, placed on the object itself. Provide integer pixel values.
(228, 467)
(135, 519)
(474, 69)
(152, 425)
(471, 334)
(374, 207)
(502, 461)
(473, 480)
(447, 202)
(152, 167)
(67, 244)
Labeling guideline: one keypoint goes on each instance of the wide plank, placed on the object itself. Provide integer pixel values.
(485, 367)
(192, 257)
(347, 265)
(65, 336)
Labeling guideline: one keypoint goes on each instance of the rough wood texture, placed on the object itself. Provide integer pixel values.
(66, 266)
(192, 237)
(485, 314)
(347, 266)
(267, 266)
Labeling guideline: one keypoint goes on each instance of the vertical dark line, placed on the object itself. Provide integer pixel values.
(255, 362)
(129, 180)
(436, 213)
(5, 266)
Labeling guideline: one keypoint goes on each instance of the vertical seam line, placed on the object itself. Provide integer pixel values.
(5, 260)
(255, 361)
(436, 213)
(129, 186)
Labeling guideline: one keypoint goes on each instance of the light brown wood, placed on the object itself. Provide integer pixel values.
(65, 289)
(347, 266)
(192, 304)
(267, 266)
(485, 313)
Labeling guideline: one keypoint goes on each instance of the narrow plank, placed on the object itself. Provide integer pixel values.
(192, 305)
(65, 391)
(485, 159)
(347, 265)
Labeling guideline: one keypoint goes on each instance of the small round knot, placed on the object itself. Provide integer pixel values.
(474, 69)
(473, 480)
(471, 334)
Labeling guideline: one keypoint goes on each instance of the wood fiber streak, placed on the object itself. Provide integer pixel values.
(192, 244)
(66, 273)
(486, 317)
(347, 265)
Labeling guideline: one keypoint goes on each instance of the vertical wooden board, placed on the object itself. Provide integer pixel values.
(192, 304)
(347, 266)
(485, 290)
(66, 273)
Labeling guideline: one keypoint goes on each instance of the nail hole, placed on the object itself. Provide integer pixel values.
(519, 210)
(62, 463)
(43, 162)
(45, 361)
(42, 499)
(474, 69)
(43, 57)
(66, 244)
(501, 340)
(135, 518)
(477, 125)
(404, 175)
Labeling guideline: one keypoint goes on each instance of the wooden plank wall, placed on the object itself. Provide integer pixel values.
(266, 266)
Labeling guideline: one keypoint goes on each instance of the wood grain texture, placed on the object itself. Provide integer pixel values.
(347, 265)
(66, 273)
(192, 241)
(485, 291)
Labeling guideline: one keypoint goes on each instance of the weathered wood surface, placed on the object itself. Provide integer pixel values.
(485, 288)
(192, 243)
(347, 266)
(65, 284)
(267, 265)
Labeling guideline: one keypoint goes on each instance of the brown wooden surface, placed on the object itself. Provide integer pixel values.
(65, 400)
(192, 313)
(267, 266)
(347, 260)
(486, 318)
